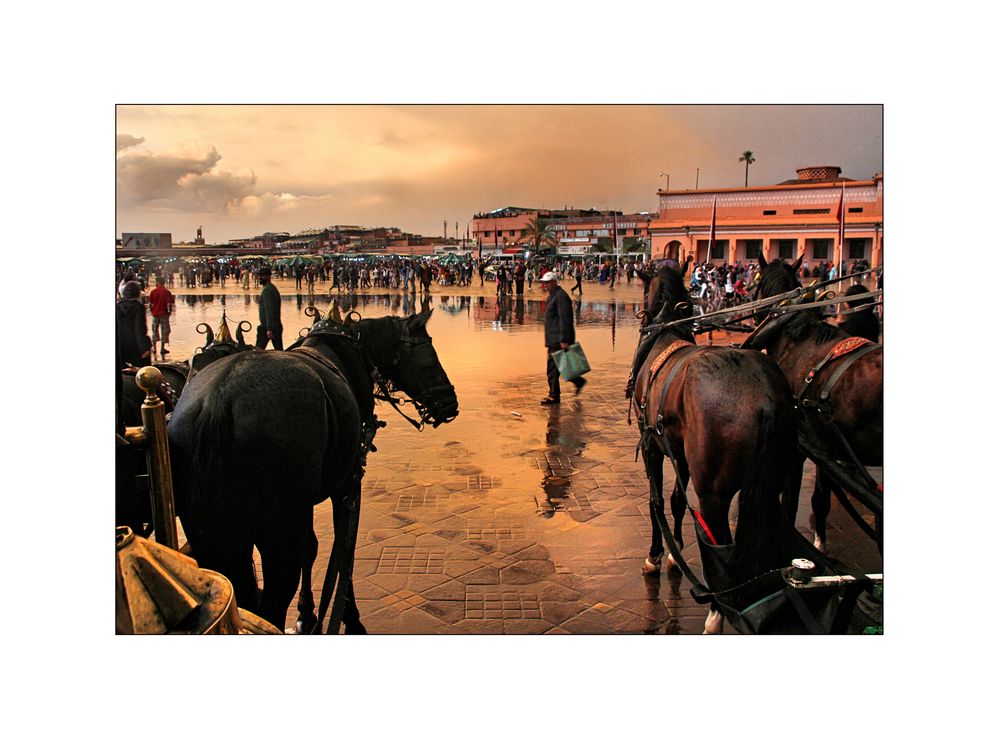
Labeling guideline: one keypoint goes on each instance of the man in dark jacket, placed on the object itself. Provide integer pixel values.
(270, 312)
(132, 332)
(559, 333)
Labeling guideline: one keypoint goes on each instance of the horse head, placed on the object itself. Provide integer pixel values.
(410, 362)
(668, 299)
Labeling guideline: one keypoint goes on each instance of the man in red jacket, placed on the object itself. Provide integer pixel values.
(161, 306)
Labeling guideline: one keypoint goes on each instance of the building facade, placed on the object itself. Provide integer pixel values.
(798, 217)
(146, 241)
(577, 231)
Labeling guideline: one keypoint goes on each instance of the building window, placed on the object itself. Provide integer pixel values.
(855, 210)
(820, 248)
(858, 248)
(810, 211)
(769, 212)
(754, 247)
(719, 249)
(786, 248)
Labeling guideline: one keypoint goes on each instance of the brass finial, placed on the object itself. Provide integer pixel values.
(334, 313)
(223, 332)
(149, 378)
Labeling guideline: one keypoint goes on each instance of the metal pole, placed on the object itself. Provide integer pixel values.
(158, 458)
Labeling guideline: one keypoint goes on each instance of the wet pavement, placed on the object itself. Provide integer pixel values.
(514, 518)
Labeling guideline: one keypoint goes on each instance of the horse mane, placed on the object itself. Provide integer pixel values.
(806, 325)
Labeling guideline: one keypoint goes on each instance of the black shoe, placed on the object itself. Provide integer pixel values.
(550, 401)
(579, 384)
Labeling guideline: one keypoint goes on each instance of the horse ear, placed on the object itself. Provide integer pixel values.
(763, 261)
(645, 278)
(420, 319)
(686, 263)
(797, 263)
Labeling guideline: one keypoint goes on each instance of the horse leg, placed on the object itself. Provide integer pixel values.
(234, 560)
(306, 602)
(821, 504)
(654, 467)
(351, 616)
(678, 506)
(791, 492)
(714, 511)
(283, 546)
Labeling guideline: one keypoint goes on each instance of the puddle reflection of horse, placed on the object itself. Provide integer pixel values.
(259, 438)
(727, 416)
(802, 342)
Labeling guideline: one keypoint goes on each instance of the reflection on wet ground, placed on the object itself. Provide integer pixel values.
(516, 518)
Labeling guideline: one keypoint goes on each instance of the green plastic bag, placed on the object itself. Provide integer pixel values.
(571, 363)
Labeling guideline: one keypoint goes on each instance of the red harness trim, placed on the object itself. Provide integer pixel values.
(659, 361)
(848, 345)
(704, 525)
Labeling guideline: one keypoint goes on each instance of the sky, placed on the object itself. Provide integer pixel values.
(241, 170)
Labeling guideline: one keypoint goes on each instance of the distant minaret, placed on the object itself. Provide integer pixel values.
(445, 229)
(199, 239)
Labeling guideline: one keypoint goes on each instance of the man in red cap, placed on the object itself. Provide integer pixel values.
(559, 334)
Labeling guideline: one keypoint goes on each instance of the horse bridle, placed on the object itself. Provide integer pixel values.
(431, 410)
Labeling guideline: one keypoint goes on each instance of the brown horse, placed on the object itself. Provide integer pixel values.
(726, 419)
(839, 389)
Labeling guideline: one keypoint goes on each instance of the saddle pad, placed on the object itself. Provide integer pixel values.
(848, 345)
(659, 361)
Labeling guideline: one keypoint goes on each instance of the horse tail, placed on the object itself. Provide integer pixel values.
(210, 448)
(761, 533)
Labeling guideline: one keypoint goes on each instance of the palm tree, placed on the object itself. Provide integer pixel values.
(747, 157)
(538, 232)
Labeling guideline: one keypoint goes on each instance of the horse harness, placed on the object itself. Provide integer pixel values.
(337, 581)
(844, 353)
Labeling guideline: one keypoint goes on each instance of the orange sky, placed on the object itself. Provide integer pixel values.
(242, 170)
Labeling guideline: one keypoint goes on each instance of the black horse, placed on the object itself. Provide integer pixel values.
(259, 438)
(726, 416)
(838, 381)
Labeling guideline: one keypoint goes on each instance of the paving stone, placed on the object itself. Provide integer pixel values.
(481, 576)
(527, 571)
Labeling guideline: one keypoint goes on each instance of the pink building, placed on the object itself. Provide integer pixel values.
(798, 217)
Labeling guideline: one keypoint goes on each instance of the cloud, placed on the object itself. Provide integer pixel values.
(180, 182)
(124, 141)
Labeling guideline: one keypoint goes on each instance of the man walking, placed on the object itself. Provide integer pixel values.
(270, 312)
(559, 334)
(161, 302)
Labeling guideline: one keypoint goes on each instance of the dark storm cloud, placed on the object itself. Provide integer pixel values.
(124, 141)
(182, 183)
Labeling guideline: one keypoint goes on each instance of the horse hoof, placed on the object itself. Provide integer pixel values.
(713, 623)
(305, 626)
(671, 564)
(819, 544)
(652, 566)
(354, 629)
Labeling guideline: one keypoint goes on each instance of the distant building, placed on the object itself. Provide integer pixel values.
(146, 241)
(797, 217)
(578, 231)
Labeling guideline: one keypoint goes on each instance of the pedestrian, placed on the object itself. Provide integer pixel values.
(161, 302)
(578, 273)
(130, 325)
(559, 334)
(270, 312)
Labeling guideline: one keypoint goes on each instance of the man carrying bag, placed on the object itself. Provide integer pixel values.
(560, 334)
